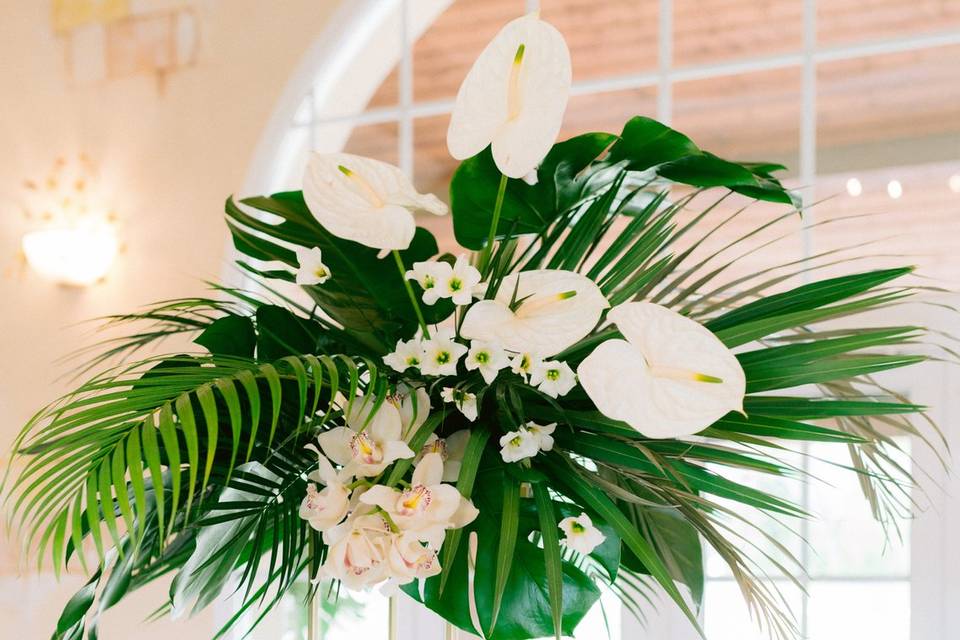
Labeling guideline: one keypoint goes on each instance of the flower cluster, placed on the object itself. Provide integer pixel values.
(378, 534)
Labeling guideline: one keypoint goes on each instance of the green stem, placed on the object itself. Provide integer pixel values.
(498, 205)
(411, 294)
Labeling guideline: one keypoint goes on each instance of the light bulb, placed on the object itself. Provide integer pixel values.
(854, 187)
(894, 189)
(77, 256)
(954, 183)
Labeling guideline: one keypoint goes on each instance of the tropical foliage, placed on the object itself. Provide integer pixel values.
(204, 465)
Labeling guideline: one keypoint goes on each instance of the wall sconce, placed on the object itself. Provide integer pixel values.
(78, 243)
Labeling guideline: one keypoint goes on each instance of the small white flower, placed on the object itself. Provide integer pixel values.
(433, 277)
(518, 445)
(440, 354)
(465, 401)
(461, 283)
(311, 270)
(489, 358)
(553, 378)
(405, 355)
(543, 433)
(582, 536)
(523, 364)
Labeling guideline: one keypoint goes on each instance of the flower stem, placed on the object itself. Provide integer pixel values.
(494, 223)
(411, 294)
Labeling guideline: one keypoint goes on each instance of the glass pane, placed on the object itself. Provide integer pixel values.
(845, 610)
(726, 616)
(840, 21)
(845, 539)
(603, 620)
(708, 31)
(433, 168)
(446, 51)
(607, 111)
(753, 116)
(350, 615)
(375, 141)
(610, 38)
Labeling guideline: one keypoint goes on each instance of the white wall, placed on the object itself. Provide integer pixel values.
(168, 161)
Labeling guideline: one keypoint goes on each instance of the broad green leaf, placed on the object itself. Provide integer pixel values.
(230, 335)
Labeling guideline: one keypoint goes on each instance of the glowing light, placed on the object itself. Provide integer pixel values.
(854, 187)
(954, 183)
(78, 256)
(894, 189)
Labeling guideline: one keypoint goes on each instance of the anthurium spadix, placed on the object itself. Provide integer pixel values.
(671, 377)
(541, 312)
(513, 97)
(365, 200)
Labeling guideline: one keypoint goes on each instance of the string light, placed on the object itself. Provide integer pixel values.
(854, 187)
(954, 183)
(894, 189)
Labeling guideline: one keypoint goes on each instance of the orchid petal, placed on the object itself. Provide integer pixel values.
(336, 444)
(430, 470)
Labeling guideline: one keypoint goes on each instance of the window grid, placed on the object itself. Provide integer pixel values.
(664, 77)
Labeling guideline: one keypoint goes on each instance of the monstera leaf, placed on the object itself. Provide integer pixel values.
(576, 168)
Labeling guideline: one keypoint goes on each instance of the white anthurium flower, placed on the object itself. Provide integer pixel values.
(553, 378)
(357, 553)
(311, 270)
(451, 450)
(433, 276)
(671, 377)
(513, 97)
(519, 445)
(365, 200)
(542, 311)
(462, 282)
(368, 444)
(328, 507)
(428, 506)
(440, 354)
(405, 355)
(465, 401)
(488, 358)
(523, 364)
(414, 408)
(582, 536)
(544, 434)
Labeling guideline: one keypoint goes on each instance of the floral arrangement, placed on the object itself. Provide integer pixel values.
(496, 433)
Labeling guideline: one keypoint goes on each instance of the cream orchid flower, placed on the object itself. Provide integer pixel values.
(429, 275)
(311, 270)
(544, 434)
(513, 97)
(488, 357)
(451, 450)
(414, 408)
(369, 443)
(465, 401)
(365, 200)
(405, 355)
(328, 507)
(428, 506)
(357, 553)
(671, 377)
(523, 364)
(553, 378)
(411, 558)
(440, 354)
(543, 311)
(519, 445)
(582, 536)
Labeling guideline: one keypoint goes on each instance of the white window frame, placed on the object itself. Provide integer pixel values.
(338, 54)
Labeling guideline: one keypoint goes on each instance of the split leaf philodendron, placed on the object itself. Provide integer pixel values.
(497, 434)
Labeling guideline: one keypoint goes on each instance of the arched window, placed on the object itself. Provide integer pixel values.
(860, 99)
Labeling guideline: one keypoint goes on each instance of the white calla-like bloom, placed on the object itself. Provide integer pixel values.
(519, 445)
(405, 355)
(328, 507)
(488, 358)
(368, 444)
(430, 275)
(581, 534)
(311, 269)
(427, 506)
(450, 449)
(542, 311)
(465, 401)
(671, 377)
(553, 378)
(544, 434)
(440, 354)
(365, 200)
(513, 97)
(523, 364)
